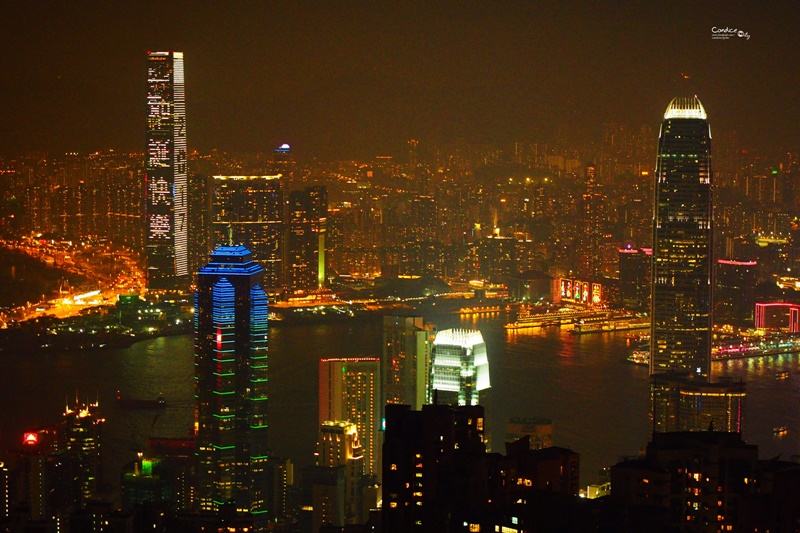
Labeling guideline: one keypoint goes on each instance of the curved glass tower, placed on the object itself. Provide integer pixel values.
(682, 234)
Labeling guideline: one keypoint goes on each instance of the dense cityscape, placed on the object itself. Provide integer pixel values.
(590, 327)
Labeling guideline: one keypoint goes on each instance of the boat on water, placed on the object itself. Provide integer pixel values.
(639, 356)
(780, 431)
(141, 403)
(603, 325)
(565, 316)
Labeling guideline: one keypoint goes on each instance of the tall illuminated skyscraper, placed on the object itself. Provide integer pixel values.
(166, 173)
(231, 384)
(682, 234)
(349, 389)
(460, 367)
(308, 215)
(683, 395)
(252, 207)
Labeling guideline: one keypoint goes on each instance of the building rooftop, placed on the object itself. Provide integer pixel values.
(685, 107)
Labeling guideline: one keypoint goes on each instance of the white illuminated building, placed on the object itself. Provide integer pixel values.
(684, 107)
(460, 367)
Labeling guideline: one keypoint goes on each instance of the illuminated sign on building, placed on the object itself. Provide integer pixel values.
(583, 292)
(30, 438)
(778, 316)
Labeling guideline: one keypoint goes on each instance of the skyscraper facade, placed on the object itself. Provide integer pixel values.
(336, 487)
(231, 384)
(252, 207)
(308, 215)
(460, 367)
(166, 173)
(405, 365)
(682, 240)
(590, 254)
(349, 389)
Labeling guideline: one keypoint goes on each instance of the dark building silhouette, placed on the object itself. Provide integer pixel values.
(706, 481)
(438, 477)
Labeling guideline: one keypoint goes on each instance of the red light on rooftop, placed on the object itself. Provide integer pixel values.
(30, 439)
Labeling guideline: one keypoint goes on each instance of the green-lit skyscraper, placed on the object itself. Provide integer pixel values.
(231, 384)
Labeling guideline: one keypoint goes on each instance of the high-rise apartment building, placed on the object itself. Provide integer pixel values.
(231, 384)
(166, 173)
(349, 389)
(682, 233)
(460, 367)
(308, 215)
(251, 207)
(406, 361)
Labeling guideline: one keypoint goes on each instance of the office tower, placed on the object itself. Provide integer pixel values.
(734, 296)
(405, 365)
(308, 214)
(590, 253)
(252, 208)
(683, 403)
(634, 277)
(336, 484)
(199, 220)
(682, 231)
(166, 173)
(231, 384)
(460, 367)
(778, 316)
(349, 389)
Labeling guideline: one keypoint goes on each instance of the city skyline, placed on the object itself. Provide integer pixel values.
(362, 81)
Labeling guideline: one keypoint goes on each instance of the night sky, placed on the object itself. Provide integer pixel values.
(356, 79)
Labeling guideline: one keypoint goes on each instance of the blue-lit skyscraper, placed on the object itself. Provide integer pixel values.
(231, 384)
(166, 173)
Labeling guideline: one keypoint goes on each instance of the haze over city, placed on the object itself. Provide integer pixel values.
(346, 80)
